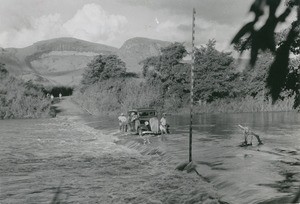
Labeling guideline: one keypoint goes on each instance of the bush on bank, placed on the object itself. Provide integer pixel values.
(21, 100)
(116, 95)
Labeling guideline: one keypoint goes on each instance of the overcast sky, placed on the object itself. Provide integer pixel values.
(111, 22)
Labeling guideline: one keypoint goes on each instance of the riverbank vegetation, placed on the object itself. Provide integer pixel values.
(19, 99)
(107, 88)
(270, 81)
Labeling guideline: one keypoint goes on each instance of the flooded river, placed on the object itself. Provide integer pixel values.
(38, 156)
(269, 173)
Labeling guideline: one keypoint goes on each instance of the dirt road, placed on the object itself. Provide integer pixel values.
(63, 160)
(66, 107)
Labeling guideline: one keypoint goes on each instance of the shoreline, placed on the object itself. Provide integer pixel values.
(244, 105)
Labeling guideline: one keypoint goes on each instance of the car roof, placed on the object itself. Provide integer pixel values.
(146, 109)
(141, 109)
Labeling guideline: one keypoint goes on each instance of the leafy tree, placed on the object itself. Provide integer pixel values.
(168, 71)
(264, 39)
(214, 73)
(254, 78)
(103, 67)
(292, 85)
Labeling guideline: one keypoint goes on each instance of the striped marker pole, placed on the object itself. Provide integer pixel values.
(192, 87)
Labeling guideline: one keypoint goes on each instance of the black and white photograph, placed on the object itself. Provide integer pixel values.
(149, 101)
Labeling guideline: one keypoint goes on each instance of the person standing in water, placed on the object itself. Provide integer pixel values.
(248, 133)
(122, 123)
(163, 124)
(52, 98)
(135, 122)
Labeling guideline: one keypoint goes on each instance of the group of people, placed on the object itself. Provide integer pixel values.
(52, 97)
(132, 122)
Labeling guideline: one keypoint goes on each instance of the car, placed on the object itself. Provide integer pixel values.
(143, 116)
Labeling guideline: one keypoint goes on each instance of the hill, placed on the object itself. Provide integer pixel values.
(61, 61)
(135, 50)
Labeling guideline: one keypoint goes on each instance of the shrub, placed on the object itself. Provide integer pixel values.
(116, 95)
(21, 100)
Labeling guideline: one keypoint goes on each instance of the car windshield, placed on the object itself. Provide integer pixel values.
(132, 112)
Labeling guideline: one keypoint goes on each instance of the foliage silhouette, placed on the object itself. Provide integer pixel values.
(264, 39)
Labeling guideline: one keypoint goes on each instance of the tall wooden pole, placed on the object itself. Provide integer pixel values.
(298, 12)
(192, 87)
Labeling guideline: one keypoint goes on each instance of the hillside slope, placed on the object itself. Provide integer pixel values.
(134, 50)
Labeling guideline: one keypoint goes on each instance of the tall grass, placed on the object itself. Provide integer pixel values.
(139, 94)
(248, 104)
(117, 95)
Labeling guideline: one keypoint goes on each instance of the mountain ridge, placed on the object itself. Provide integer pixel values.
(61, 61)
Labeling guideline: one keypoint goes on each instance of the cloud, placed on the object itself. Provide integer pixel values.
(179, 29)
(91, 23)
(222, 11)
(42, 28)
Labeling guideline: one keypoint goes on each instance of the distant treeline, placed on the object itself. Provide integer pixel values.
(56, 90)
(106, 87)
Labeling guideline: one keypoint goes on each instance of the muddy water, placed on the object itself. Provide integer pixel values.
(256, 174)
(245, 175)
(64, 161)
(38, 156)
